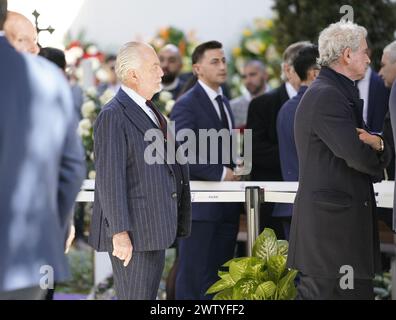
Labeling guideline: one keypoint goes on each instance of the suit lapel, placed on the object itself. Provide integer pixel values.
(138, 117)
(206, 104)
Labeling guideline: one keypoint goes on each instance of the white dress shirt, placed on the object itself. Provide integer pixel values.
(212, 94)
(291, 92)
(141, 102)
(364, 86)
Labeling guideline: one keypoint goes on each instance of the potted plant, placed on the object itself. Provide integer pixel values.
(264, 276)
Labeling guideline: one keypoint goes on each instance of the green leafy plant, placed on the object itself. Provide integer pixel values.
(264, 276)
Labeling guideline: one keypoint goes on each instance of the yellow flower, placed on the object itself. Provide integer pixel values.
(269, 23)
(262, 47)
(236, 52)
(247, 32)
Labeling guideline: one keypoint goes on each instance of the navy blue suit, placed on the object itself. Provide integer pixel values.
(377, 103)
(287, 152)
(215, 225)
(135, 196)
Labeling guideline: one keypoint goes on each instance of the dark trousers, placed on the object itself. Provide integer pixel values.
(314, 288)
(141, 278)
(32, 293)
(209, 246)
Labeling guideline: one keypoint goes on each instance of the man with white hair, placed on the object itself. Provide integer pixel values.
(334, 240)
(21, 33)
(140, 207)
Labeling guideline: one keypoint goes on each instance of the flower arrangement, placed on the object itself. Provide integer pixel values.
(77, 51)
(256, 43)
(185, 42)
(89, 111)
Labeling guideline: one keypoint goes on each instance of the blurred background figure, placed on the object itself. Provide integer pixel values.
(262, 115)
(254, 78)
(21, 33)
(41, 169)
(171, 64)
(112, 82)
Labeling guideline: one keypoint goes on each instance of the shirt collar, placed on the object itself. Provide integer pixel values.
(291, 92)
(210, 92)
(134, 96)
(2, 34)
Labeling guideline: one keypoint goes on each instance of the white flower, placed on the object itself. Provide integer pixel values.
(169, 106)
(271, 54)
(158, 42)
(165, 96)
(92, 174)
(73, 54)
(92, 156)
(88, 108)
(91, 92)
(106, 96)
(79, 73)
(253, 45)
(95, 63)
(83, 133)
(84, 127)
(92, 50)
(85, 124)
(239, 64)
(102, 75)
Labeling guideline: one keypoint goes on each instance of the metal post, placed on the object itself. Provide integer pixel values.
(252, 212)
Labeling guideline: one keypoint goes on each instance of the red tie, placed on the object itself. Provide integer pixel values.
(159, 116)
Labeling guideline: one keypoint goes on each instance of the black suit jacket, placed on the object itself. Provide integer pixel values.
(334, 222)
(262, 115)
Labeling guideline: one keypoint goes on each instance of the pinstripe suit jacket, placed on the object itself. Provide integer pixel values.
(131, 195)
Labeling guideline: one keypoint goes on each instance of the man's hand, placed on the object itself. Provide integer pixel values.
(372, 140)
(122, 247)
(70, 238)
(230, 176)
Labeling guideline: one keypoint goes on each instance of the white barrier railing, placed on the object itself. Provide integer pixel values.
(244, 191)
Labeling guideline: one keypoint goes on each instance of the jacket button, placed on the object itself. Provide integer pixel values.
(174, 195)
(366, 203)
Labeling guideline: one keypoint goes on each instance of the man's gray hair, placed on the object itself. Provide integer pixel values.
(290, 54)
(129, 58)
(390, 49)
(336, 38)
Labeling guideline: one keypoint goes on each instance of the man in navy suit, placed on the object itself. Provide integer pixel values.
(214, 225)
(41, 170)
(140, 206)
(307, 70)
(388, 74)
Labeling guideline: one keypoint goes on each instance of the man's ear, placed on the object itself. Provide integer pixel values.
(346, 55)
(196, 68)
(132, 76)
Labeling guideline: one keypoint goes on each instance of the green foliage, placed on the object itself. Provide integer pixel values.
(264, 276)
(304, 19)
(81, 267)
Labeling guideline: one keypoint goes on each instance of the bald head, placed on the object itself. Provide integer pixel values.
(21, 33)
(171, 63)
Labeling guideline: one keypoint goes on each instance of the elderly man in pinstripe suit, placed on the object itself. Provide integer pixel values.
(140, 208)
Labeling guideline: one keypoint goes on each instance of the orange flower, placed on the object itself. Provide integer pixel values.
(182, 47)
(164, 33)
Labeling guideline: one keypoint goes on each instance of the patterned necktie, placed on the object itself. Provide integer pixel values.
(224, 119)
(160, 118)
